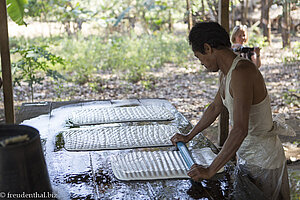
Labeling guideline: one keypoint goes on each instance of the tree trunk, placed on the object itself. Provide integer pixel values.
(233, 8)
(265, 19)
(242, 12)
(170, 21)
(213, 5)
(202, 8)
(189, 15)
(285, 24)
(246, 11)
(144, 24)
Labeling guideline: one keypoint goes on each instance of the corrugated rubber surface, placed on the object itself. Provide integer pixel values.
(147, 165)
(119, 114)
(118, 137)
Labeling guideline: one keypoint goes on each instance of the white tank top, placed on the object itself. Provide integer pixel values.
(262, 146)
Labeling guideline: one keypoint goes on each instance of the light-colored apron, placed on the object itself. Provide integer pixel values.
(261, 156)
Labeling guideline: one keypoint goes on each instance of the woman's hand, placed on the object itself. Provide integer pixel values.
(198, 172)
(180, 138)
(257, 51)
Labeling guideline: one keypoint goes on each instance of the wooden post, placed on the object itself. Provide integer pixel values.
(223, 126)
(224, 14)
(6, 66)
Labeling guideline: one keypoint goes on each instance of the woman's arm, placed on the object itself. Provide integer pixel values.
(242, 91)
(256, 57)
(209, 116)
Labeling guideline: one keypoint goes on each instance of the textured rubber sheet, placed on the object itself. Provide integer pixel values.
(152, 165)
(118, 137)
(88, 116)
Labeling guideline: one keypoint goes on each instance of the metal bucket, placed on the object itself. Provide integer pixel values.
(22, 164)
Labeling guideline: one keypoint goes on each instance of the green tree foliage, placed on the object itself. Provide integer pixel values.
(15, 10)
(152, 14)
(72, 14)
(39, 9)
(34, 64)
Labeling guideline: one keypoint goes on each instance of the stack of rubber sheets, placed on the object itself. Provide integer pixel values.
(149, 165)
(89, 116)
(135, 165)
(118, 137)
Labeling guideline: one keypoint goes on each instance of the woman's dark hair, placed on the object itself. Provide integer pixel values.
(211, 33)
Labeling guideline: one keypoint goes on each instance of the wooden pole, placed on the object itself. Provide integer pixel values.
(223, 17)
(6, 66)
(223, 126)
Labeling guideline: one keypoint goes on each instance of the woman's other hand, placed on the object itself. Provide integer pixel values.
(198, 172)
(257, 51)
(179, 138)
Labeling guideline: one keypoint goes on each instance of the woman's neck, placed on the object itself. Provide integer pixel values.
(225, 58)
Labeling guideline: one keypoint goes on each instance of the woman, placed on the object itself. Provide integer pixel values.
(261, 171)
(239, 37)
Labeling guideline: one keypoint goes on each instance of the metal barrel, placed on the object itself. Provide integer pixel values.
(22, 164)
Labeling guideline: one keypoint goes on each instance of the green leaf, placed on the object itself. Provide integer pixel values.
(15, 10)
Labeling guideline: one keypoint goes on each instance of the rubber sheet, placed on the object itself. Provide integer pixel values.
(152, 165)
(88, 116)
(118, 137)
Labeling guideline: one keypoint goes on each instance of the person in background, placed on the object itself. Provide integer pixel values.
(239, 38)
(261, 170)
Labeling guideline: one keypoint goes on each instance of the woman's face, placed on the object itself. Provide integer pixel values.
(240, 37)
(207, 61)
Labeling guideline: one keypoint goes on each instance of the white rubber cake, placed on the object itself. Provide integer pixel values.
(150, 165)
(89, 116)
(118, 137)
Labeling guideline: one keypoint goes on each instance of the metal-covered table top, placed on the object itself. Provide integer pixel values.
(88, 174)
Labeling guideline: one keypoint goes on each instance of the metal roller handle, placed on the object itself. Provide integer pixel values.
(185, 154)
